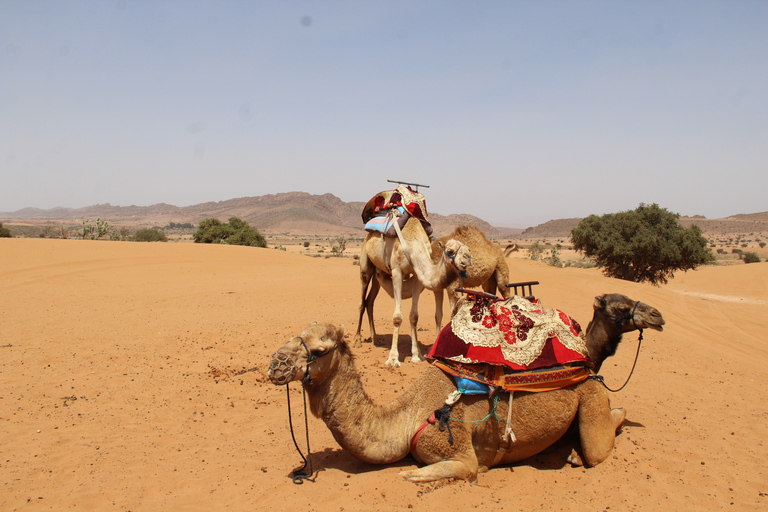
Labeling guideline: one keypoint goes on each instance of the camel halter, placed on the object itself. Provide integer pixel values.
(620, 320)
(298, 476)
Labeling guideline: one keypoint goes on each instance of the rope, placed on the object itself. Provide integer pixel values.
(298, 476)
(600, 379)
(491, 414)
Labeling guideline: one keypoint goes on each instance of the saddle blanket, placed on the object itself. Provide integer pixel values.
(513, 344)
(386, 223)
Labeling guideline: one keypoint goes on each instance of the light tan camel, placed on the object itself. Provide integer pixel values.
(489, 269)
(388, 256)
(510, 248)
(382, 434)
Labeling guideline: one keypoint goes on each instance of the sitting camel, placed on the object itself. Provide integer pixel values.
(381, 434)
(388, 255)
(489, 269)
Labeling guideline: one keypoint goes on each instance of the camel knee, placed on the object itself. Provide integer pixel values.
(618, 415)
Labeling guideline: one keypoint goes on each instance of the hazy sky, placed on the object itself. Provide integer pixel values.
(515, 111)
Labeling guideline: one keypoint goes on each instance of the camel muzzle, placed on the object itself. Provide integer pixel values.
(282, 369)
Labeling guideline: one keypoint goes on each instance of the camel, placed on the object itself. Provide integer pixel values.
(489, 269)
(382, 434)
(510, 248)
(388, 255)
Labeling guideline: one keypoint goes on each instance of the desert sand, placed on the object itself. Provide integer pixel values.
(133, 378)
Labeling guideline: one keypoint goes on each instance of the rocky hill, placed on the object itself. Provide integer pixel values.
(291, 213)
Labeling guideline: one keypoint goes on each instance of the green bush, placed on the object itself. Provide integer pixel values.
(645, 244)
(751, 257)
(235, 232)
(4, 232)
(150, 235)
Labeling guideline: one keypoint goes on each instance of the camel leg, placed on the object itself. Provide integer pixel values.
(374, 291)
(397, 317)
(438, 311)
(366, 273)
(597, 423)
(416, 356)
(489, 286)
(448, 468)
(502, 280)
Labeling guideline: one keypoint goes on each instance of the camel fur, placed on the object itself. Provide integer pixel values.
(489, 269)
(382, 434)
(432, 269)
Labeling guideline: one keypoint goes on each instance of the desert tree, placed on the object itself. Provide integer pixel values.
(235, 232)
(645, 244)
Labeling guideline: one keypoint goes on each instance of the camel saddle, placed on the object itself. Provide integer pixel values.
(511, 344)
(379, 212)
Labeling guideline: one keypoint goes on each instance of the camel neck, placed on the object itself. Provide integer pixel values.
(376, 434)
(603, 339)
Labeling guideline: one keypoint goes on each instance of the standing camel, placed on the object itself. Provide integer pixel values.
(489, 269)
(388, 255)
(382, 434)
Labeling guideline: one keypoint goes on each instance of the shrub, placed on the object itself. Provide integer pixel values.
(235, 232)
(4, 232)
(645, 244)
(150, 235)
(91, 231)
(751, 257)
(534, 251)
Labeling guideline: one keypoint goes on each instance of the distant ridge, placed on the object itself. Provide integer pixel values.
(302, 214)
(290, 212)
(741, 223)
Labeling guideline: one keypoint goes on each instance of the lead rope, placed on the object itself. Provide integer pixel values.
(298, 476)
(600, 379)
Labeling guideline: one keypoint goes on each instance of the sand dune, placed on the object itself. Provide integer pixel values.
(132, 377)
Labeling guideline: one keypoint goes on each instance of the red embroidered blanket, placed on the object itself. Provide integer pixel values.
(512, 343)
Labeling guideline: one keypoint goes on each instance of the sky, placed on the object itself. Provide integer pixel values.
(515, 111)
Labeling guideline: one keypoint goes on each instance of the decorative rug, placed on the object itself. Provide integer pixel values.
(513, 344)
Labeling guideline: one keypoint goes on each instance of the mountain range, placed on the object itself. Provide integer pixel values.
(301, 213)
(292, 213)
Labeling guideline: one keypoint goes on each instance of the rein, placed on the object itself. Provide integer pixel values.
(620, 322)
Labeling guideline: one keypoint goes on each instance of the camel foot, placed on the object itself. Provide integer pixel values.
(357, 341)
(393, 362)
(618, 415)
(418, 358)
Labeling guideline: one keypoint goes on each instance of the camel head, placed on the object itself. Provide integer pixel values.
(614, 315)
(627, 313)
(311, 355)
(458, 255)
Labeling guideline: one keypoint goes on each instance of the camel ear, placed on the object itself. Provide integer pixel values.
(341, 331)
(440, 245)
(600, 302)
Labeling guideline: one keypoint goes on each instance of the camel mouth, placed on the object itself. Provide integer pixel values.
(656, 327)
(282, 369)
